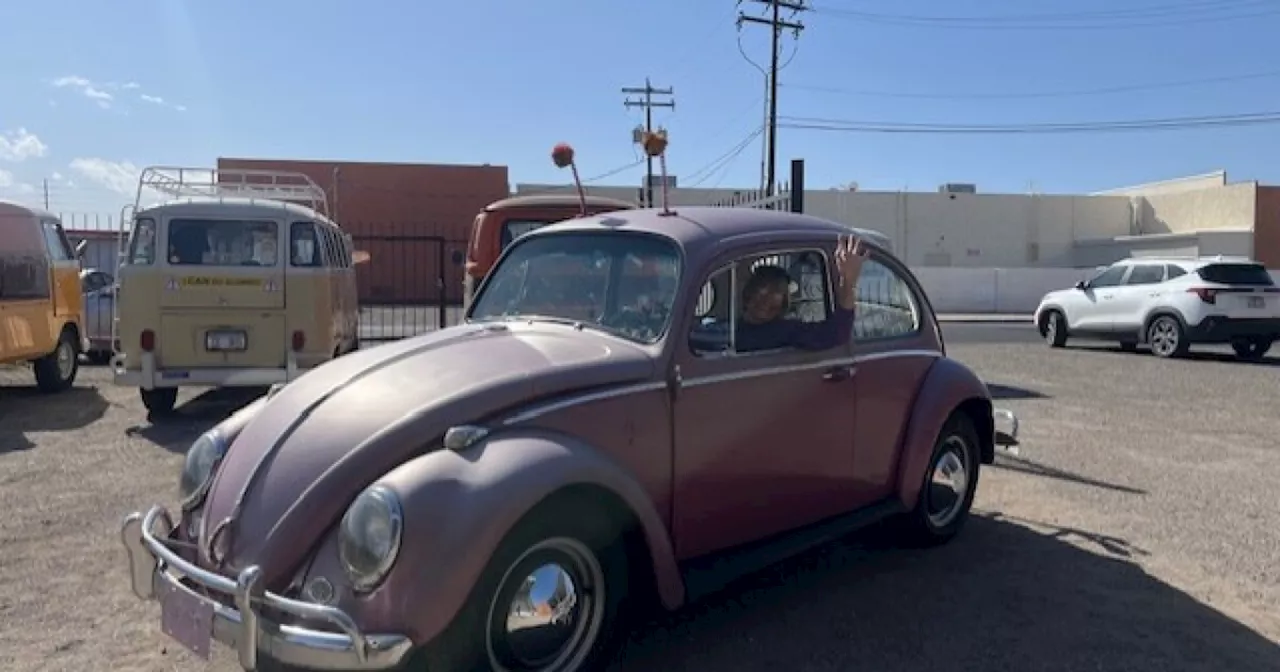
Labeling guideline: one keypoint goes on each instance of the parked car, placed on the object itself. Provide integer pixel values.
(1169, 304)
(99, 291)
(502, 493)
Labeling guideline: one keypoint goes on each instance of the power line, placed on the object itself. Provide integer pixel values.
(1167, 123)
(648, 103)
(1169, 15)
(1068, 93)
(723, 160)
(776, 23)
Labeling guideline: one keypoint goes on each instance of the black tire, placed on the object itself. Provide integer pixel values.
(940, 513)
(159, 401)
(1167, 338)
(594, 554)
(1251, 349)
(57, 370)
(1055, 329)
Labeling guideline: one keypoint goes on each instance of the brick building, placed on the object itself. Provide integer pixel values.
(409, 217)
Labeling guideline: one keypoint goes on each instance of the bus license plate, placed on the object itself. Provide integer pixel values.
(225, 341)
(1257, 302)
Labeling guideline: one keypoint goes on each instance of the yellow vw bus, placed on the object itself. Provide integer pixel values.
(231, 284)
(41, 309)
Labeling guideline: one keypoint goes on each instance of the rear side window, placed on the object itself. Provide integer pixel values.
(1237, 274)
(304, 251)
(1175, 271)
(142, 242)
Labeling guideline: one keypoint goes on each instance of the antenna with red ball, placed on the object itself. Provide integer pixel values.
(562, 155)
(655, 145)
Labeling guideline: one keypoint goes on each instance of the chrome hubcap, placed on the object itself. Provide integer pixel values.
(949, 482)
(553, 618)
(66, 360)
(1163, 337)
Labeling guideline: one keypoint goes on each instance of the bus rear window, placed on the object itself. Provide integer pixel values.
(223, 242)
(1237, 274)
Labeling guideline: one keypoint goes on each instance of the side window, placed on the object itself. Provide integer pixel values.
(1145, 274)
(1174, 271)
(303, 249)
(345, 239)
(1109, 278)
(56, 241)
(886, 306)
(765, 302)
(142, 242)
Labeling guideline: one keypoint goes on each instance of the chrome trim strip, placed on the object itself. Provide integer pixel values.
(152, 563)
(769, 371)
(601, 395)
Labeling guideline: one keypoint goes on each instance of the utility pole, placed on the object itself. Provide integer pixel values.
(46, 193)
(648, 103)
(776, 24)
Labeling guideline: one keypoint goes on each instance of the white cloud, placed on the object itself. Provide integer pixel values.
(118, 176)
(102, 94)
(6, 179)
(86, 88)
(157, 100)
(9, 184)
(56, 176)
(21, 145)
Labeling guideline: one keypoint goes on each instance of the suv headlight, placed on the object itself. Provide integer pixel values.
(369, 537)
(197, 471)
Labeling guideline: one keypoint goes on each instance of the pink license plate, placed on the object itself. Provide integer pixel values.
(187, 619)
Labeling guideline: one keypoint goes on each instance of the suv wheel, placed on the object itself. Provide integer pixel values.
(1055, 329)
(1251, 349)
(1167, 338)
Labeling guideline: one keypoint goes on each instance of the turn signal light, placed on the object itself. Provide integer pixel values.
(299, 341)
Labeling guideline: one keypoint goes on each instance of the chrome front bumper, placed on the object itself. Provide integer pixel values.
(1006, 437)
(155, 568)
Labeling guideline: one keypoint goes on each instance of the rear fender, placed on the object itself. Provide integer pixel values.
(458, 507)
(948, 386)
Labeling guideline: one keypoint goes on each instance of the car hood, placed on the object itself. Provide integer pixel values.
(310, 449)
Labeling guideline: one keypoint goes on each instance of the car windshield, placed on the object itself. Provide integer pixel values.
(623, 283)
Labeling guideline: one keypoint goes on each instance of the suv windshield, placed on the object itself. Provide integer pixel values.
(624, 283)
(1237, 274)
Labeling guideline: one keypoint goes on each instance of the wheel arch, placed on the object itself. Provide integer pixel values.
(1042, 316)
(948, 388)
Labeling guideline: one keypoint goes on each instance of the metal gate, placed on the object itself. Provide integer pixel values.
(404, 288)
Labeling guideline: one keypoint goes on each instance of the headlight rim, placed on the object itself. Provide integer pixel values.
(193, 501)
(365, 583)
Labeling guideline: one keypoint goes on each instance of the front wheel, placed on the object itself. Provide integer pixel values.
(950, 483)
(1251, 349)
(57, 370)
(550, 600)
(1055, 329)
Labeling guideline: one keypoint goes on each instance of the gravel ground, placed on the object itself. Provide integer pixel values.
(1135, 532)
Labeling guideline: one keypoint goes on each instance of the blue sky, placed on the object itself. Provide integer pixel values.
(95, 89)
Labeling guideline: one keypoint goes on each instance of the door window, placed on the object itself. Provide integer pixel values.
(1146, 274)
(766, 302)
(142, 242)
(1109, 278)
(56, 240)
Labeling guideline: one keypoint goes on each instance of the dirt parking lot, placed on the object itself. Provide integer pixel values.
(1137, 531)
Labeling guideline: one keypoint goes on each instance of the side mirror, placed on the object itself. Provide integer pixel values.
(458, 257)
(1082, 285)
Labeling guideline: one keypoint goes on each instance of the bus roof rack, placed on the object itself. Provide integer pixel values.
(275, 185)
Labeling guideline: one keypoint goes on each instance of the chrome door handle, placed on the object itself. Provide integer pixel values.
(839, 373)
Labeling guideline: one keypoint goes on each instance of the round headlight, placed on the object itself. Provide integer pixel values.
(197, 470)
(369, 537)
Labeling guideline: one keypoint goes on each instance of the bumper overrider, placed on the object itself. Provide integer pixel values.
(1007, 432)
(158, 573)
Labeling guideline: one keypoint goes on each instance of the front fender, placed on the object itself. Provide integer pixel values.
(459, 507)
(947, 386)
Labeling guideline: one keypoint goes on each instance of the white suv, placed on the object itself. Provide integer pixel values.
(1169, 304)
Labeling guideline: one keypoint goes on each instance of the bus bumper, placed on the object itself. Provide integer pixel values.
(148, 376)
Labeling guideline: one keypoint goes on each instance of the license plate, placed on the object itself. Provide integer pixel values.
(1257, 302)
(188, 619)
(224, 341)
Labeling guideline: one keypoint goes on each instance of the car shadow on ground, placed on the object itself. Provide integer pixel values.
(1010, 392)
(1193, 356)
(1009, 462)
(175, 431)
(24, 408)
(1006, 596)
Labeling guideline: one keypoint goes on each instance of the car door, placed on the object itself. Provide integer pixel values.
(892, 355)
(763, 440)
(1140, 287)
(1091, 312)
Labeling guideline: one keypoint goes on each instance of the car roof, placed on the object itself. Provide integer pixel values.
(1190, 263)
(559, 200)
(233, 204)
(11, 208)
(699, 229)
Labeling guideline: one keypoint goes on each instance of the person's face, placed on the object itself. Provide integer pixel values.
(765, 304)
